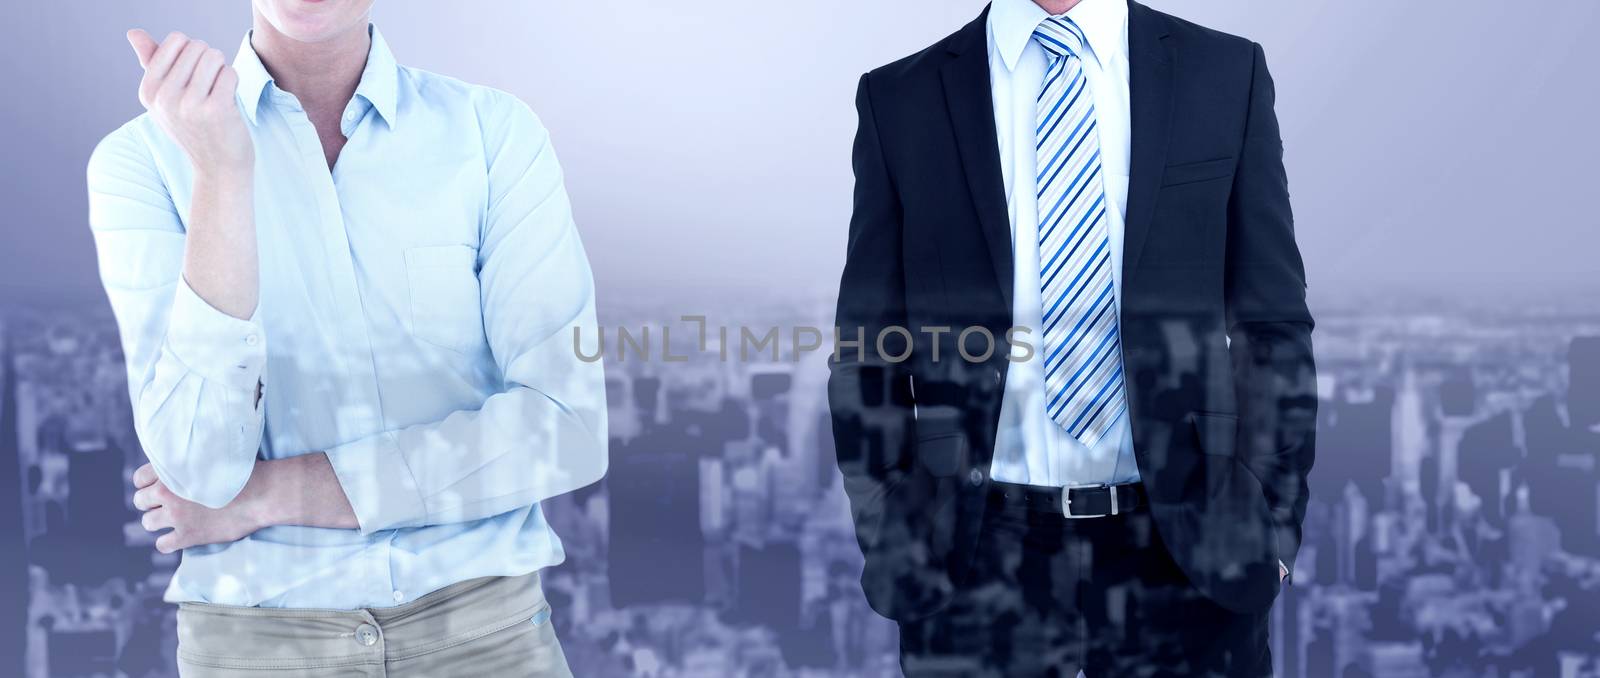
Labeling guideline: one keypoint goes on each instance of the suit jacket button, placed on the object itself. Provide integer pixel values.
(976, 477)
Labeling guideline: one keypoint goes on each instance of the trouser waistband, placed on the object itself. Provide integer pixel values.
(1097, 501)
(284, 638)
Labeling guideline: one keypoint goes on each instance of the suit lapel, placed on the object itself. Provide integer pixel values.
(1150, 91)
(969, 96)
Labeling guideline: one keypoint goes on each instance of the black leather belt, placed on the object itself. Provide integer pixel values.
(1094, 501)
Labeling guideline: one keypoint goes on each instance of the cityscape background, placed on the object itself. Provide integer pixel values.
(1452, 529)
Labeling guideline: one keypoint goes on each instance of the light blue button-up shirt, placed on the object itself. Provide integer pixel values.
(416, 322)
(1030, 447)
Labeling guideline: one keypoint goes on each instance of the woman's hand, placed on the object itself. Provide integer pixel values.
(301, 490)
(189, 88)
(191, 524)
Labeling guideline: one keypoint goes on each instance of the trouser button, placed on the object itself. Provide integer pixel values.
(367, 635)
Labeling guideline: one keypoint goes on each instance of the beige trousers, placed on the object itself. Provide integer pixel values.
(493, 626)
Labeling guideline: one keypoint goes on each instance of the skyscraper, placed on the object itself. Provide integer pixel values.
(13, 556)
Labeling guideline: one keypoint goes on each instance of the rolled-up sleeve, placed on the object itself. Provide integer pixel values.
(194, 372)
(544, 434)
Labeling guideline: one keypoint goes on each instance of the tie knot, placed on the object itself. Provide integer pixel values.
(1060, 36)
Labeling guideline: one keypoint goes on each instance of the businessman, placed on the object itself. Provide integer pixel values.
(347, 291)
(1099, 188)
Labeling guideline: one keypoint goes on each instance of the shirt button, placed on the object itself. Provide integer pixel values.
(367, 635)
(976, 477)
(399, 596)
(252, 339)
(350, 116)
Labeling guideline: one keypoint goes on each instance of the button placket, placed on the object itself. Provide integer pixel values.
(344, 282)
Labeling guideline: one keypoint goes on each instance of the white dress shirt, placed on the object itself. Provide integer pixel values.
(416, 316)
(1030, 447)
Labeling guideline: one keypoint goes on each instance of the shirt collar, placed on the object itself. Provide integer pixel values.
(380, 79)
(253, 78)
(1013, 22)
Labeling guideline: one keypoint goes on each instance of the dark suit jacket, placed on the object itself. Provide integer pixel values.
(1215, 330)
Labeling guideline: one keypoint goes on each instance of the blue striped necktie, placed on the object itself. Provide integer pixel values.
(1084, 388)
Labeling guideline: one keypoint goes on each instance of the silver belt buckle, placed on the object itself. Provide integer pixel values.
(1066, 501)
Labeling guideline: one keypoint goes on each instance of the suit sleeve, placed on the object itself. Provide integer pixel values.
(869, 398)
(1269, 324)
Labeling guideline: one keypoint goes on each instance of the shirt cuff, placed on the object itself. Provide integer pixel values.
(213, 486)
(214, 345)
(377, 480)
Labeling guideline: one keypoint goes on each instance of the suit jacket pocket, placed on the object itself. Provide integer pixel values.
(1194, 172)
(944, 455)
(941, 440)
(1218, 432)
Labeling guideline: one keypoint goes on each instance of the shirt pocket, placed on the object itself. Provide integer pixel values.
(446, 310)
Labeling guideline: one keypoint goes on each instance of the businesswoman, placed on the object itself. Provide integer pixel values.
(346, 290)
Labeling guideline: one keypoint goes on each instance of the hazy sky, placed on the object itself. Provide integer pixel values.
(707, 143)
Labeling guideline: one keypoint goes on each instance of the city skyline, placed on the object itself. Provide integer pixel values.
(723, 486)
